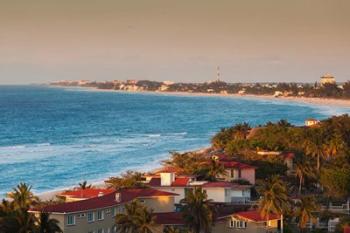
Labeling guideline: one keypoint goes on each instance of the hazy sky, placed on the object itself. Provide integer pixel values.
(179, 40)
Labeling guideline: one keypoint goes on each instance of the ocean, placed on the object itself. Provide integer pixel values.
(52, 137)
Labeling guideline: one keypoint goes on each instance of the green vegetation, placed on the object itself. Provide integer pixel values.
(129, 179)
(136, 219)
(197, 212)
(14, 215)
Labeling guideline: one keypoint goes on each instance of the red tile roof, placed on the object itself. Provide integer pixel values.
(179, 182)
(105, 201)
(171, 218)
(234, 164)
(86, 193)
(255, 216)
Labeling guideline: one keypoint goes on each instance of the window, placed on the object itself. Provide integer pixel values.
(90, 217)
(237, 224)
(114, 211)
(100, 215)
(142, 201)
(227, 192)
(232, 173)
(70, 220)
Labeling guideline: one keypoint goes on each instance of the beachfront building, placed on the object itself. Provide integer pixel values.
(327, 79)
(248, 222)
(83, 194)
(97, 215)
(311, 122)
(218, 192)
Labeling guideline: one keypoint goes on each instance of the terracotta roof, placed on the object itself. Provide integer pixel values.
(179, 182)
(105, 201)
(170, 218)
(288, 155)
(86, 193)
(235, 164)
(254, 215)
(224, 184)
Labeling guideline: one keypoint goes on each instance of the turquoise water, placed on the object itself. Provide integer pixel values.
(54, 137)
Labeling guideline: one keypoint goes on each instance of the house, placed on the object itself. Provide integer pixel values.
(311, 122)
(83, 194)
(235, 170)
(248, 222)
(220, 192)
(98, 214)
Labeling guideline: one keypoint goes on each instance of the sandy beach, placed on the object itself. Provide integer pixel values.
(305, 100)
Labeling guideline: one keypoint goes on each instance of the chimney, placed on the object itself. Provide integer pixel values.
(167, 178)
(117, 197)
(100, 194)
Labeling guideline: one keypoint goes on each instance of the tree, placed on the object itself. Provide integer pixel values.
(129, 179)
(315, 147)
(84, 185)
(274, 197)
(212, 170)
(303, 170)
(304, 210)
(47, 225)
(197, 211)
(22, 197)
(136, 219)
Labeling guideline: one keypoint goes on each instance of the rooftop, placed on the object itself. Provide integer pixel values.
(105, 201)
(86, 193)
(255, 216)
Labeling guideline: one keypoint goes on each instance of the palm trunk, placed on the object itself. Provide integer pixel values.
(300, 183)
(281, 223)
(318, 162)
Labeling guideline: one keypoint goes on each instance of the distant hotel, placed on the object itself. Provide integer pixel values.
(327, 79)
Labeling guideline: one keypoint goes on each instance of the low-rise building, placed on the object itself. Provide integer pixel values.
(248, 222)
(83, 194)
(97, 215)
(311, 122)
(219, 192)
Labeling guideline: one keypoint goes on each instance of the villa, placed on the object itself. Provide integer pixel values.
(97, 215)
(248, 222)
(218, 192)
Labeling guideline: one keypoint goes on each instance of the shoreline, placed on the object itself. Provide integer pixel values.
(330, 102)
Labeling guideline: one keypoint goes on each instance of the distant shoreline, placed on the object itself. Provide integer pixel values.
(305, 100)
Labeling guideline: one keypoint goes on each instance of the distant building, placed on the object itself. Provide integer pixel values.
(249, 222)
(278, 94)
(327, 79)
(311, 122)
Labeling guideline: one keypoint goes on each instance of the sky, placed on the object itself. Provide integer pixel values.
(177, 40)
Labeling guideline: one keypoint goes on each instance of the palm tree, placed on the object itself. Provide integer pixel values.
(274, 198)
(197, 211)
(136, 219)
(304, 210)
(315, 147)
(302, 170)
(335, 145)
(84, 185)
(22, 197)
(47, 225)
(212, 170)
